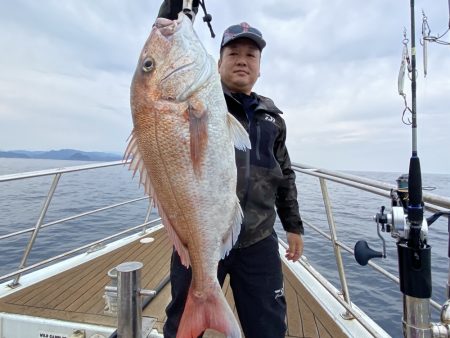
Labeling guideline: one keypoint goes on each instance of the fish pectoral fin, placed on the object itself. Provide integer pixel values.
(238, 133)
(197, 108)
(198, 129)
(230, 238)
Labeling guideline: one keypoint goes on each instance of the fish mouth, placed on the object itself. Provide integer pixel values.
(167, 27)
(177, 70)
(201, 59)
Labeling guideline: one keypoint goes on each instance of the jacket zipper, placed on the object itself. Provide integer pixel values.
(247, 125)
(258, 140)
(247, 168)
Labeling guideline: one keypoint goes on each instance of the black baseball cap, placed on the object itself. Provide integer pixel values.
(243, 30)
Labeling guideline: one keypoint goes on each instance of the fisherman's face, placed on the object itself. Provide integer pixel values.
(239, 65)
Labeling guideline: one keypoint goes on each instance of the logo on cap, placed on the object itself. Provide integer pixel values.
(243, 30)
(245, 26)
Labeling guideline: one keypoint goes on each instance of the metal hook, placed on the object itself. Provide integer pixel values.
(408, 122)
(405, 39)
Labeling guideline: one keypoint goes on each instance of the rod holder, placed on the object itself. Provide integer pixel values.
(129, 302)
(123, 298)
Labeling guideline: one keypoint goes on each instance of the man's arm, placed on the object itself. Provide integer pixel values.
(286, 201)
(170, 8)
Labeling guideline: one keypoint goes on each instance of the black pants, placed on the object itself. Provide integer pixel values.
(257, 282)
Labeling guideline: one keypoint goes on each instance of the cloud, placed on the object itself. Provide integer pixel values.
(331, 66)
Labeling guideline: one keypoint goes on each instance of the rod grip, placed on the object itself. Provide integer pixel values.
(415, 182)
(415, 207)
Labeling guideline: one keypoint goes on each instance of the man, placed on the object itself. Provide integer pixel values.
(265, 181)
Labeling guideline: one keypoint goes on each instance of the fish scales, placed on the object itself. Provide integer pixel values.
(182, 144)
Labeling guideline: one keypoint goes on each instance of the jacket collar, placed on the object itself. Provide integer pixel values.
(264, 103)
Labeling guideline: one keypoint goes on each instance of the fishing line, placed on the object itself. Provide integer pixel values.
(405, 64)
(190, 8)
(207, 18)
(426, 32)
(427, 37)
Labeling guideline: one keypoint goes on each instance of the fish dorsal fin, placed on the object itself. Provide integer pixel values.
(198, 129)
(238, 133)
(137, 164)
(230, 238)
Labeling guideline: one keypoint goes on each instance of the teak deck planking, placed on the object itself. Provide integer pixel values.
(77, 294)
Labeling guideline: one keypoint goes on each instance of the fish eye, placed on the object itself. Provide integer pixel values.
(148, 65)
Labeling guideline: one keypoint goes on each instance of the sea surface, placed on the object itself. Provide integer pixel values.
(353, 210)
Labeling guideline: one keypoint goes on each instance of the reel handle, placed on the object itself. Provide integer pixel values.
(363, 253)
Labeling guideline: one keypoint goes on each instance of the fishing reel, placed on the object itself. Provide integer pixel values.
(394, 222)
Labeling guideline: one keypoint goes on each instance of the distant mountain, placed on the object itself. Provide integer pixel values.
(13, 154)
(63, 154)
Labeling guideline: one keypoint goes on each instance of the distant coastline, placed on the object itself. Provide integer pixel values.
(62, 154)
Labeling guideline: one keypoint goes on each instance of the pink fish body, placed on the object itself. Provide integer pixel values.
(182, 144)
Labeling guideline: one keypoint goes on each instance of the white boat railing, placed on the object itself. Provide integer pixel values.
(432, 202)
(57, 173)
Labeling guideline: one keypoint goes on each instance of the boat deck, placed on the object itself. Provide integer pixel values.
(77, 294)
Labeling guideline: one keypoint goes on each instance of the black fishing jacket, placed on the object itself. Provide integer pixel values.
(265, 180)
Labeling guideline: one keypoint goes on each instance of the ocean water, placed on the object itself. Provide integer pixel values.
(353, 210)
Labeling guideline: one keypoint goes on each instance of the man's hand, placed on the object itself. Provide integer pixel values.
(295, 242)
(170, 8)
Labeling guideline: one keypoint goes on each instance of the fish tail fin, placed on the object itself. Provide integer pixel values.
(207, 311)
(238, 133)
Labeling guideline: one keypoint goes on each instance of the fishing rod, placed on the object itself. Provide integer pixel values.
(414, 254)
(190, 8)
(407, 224)
(415, 203)
(170, 9)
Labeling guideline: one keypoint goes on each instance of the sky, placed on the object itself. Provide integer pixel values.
(330, 65)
